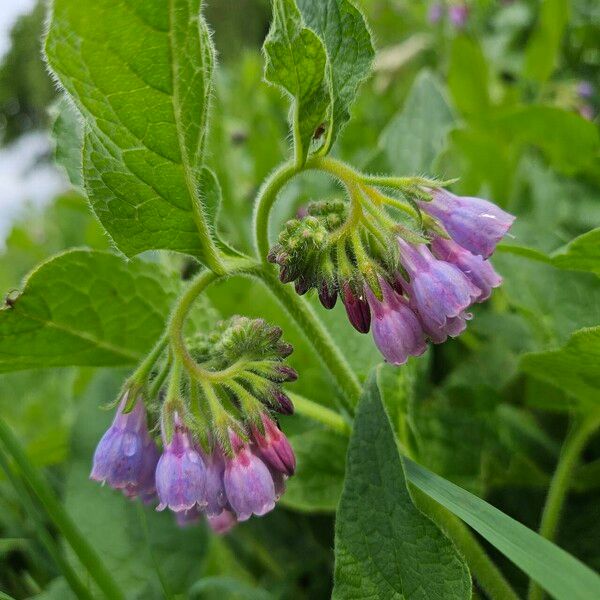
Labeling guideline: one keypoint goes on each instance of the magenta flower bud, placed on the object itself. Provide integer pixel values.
(397, 331)
(357, 309)
(180, 473)
(327, 295)
(475, 224)
(187, 518)
(222, 523)
(285, 373)
(273, 447)
(248, 483)
(438, 290)
(435, 13)
(123, 454)
(479, 271)
(283, 404)
(459, 14)
(302, 285)
(216, 499)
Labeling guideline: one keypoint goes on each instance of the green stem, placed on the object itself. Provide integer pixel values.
(141, 374)
(264, 202)
(579, 434)
(79, 589)
(318, 337)
(318, 412)
(482, 568)
(84, 551)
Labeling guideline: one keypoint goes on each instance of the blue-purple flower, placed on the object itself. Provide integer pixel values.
(459, 15)
(476, 224)
(180, 473)
(126, 454)
(273, 447)
(479, 271)
(248, 483)
(216, 499)
(397, 331)
(438, 290)
(222, 523)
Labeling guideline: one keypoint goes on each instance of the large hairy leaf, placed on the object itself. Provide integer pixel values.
(296, 62)
(140, 74)
(344, 31)
(385, 547)
(85, 308)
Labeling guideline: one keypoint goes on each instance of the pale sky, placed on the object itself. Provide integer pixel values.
(23, 178)
(9, 11)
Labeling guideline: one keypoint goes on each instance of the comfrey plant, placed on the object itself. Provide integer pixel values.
(406, 257)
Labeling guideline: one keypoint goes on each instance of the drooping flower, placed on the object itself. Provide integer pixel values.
(283, 404)
(459, 15)
(357, 308)
(476, 224)
(438, 290)
(435, 13)
(222, 523)
(126, 452)
(180, 473)
(187, 518)
(479, 271)
(248, 482)
(145, 488)
(216, 499)
(397, 331)
(273, 447)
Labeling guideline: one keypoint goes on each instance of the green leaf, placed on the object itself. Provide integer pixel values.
(85, 308)
(385, 547)
(344, 31)
(417, 134)
(296, 61)
(568, 140)
(543, 50)
(559, 573)
(574, 368)
(468, 77)
(581, 254)
(140, 73)
(68, 137)
(229, 588)
(317, 483)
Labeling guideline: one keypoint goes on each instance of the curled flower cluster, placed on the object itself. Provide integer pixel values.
(231, 464)
(407, 290)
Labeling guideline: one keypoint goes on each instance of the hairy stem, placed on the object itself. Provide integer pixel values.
(579, 433)
(81, 547)
(317, 336)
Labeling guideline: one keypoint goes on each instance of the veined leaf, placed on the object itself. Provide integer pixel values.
(140, 73)
(296, 62)
(417, 134)
(344, 31)
(385, 547)
(85, 308)
(574, 368)
(580, 254)
(559, 573)
(68, 139)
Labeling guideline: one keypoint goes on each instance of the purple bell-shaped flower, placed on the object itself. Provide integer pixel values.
(475, 224)
(396, 329)
(216, 499)
(126, 451)
(438, 290)
(180, 473)
(273, 447)
(248, 482)
(479, 271)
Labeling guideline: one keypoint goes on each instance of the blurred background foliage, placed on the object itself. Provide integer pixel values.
(498, 103)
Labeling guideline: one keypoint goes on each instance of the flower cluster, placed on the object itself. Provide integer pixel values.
(406, 289)
(223, 454)
(458, 13)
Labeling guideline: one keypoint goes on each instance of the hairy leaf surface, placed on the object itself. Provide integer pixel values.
(140, 73)
(385, 547)
(85, 308)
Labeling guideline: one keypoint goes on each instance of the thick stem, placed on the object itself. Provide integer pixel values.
(318, 337)
(81, 547)
(263, 204)
(580, 432)
(318, 412)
